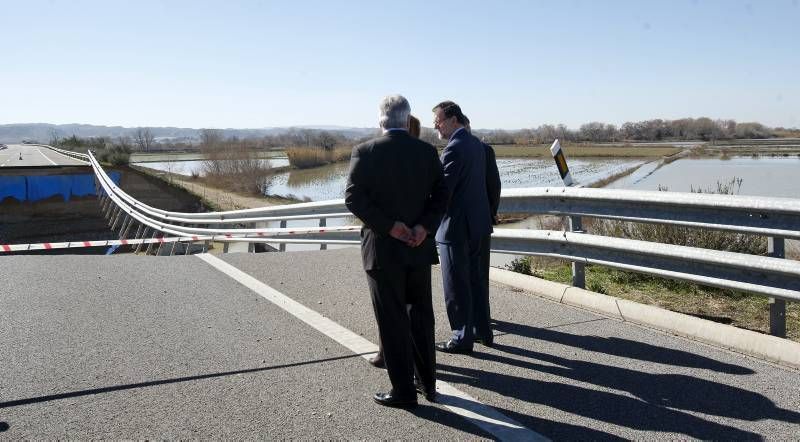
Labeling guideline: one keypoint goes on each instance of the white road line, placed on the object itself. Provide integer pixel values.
(68, 157)
(46, 157)
(460, 403)
(10, 157)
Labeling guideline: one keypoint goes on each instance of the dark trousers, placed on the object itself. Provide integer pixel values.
(401, 298)
(461, 277)
(481, 312)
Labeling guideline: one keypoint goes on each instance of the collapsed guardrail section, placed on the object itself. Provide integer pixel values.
(776, 218)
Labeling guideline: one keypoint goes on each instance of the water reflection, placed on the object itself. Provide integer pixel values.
(190, 167)
(760, 176)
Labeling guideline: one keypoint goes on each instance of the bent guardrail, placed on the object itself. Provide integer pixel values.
(775, 218)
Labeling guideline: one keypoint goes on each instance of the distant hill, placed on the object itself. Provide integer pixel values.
(43, 132)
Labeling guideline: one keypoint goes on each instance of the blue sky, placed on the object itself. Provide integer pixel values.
(510, 64)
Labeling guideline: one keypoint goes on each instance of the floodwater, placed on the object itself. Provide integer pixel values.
(189, 167)
(762, 176)
(328, 182)
(777, 176)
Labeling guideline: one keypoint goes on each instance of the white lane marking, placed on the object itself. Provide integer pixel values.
(46, 157)
(455, 400)
(68, 157)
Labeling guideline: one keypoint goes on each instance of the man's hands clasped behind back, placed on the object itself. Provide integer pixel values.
(412, 237)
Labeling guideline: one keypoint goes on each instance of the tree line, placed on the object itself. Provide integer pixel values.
(684, 129)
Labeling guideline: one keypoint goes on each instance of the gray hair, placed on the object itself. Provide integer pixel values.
(393, 112)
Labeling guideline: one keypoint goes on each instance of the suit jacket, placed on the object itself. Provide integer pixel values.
(493, 184)
(467, 215)
(395, 177)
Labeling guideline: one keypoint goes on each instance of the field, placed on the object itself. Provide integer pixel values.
(581, 150)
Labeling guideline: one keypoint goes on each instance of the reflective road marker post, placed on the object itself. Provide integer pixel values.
(575, 224)
(561, 163)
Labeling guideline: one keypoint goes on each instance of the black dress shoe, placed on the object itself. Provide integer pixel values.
(453, 347)
(390, 400)
(487, 342)
(377, 361)
(429, 393)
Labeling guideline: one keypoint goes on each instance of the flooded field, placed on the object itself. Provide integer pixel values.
(328, 182)
(190, 167)
(763, 176)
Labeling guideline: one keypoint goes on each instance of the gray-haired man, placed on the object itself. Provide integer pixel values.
(396, 188)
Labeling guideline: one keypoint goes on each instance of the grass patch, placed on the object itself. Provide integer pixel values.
(236, 168)
(115, 156)
(739, 309)
(307, 157)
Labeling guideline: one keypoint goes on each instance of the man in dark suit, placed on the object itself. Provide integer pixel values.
(396, 187)
(481, 311)
(465, 225)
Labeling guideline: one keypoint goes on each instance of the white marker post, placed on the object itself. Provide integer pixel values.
(575, 222)
(561, 163)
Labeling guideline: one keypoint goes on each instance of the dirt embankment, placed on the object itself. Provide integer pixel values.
(212, 197)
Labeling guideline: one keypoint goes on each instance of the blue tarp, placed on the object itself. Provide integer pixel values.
(39, 187)
(14, 187)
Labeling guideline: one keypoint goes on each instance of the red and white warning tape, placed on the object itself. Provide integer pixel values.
(6, 248)
(270, 236)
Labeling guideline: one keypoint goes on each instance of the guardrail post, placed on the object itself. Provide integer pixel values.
(578, 268)
(144, 235)
(123, 233)
(251, 246)
(172, 249)
(777, 307)
(282, 246)
(150, 244)
(322, 223)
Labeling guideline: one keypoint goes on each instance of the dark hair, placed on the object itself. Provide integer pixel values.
(451, 109)
(413, 126)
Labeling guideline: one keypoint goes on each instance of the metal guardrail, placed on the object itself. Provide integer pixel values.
(776, 218)
(68, 153)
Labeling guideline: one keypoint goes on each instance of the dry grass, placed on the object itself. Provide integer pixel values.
(306, 157)
(738, 309)
(236, 168)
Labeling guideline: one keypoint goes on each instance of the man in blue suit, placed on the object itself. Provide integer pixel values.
(465, 225)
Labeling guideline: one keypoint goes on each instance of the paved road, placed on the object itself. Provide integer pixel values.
(169, 347)
(33, 156)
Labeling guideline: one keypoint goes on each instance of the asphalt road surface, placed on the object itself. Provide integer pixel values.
(146, 347)
(33, 156)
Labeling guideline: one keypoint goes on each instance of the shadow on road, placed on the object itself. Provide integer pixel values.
(93, 391)
(660, 401)
(612, 408)
(621, 347)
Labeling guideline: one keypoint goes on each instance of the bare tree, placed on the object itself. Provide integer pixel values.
(54, 138)
(210, 138)
(124, 143)
(143, 138)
